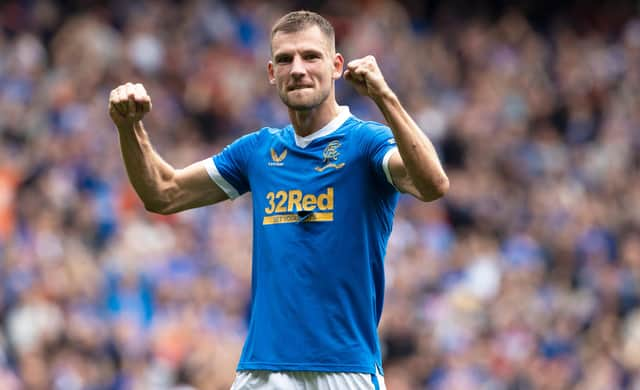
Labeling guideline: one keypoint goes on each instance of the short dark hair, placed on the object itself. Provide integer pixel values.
(299, 20)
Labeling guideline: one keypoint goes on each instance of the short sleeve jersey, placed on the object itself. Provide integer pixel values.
(323, 209)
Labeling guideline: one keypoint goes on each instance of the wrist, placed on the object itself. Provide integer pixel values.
(385, 97)
(128, 127)
(125, 129)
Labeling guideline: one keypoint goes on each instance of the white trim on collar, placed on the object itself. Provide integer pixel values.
(333, 125)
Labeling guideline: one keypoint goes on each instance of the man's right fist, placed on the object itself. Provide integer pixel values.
(128, 103)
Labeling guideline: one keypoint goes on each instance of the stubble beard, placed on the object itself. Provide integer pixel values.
(316, 101)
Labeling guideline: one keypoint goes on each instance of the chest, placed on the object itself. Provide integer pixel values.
(290, 183)
(284, 165)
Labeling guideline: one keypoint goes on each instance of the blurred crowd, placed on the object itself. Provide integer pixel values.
(525, 276)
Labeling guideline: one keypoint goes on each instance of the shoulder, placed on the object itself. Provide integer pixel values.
(368, 132)
(270, 133)
(259, 137)
(367, 128)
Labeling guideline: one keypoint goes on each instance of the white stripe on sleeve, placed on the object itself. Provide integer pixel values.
(217, 178)
(385, 164)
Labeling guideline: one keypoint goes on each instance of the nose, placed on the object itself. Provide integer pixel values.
(298, 69)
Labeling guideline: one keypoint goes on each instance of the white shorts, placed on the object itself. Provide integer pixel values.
(308, 380)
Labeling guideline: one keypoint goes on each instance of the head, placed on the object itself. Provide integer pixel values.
(304, 64)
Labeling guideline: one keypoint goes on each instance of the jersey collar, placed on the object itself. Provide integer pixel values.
(333, 125)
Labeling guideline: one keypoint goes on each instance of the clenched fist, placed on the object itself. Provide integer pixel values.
(366, 77)
(128, 103)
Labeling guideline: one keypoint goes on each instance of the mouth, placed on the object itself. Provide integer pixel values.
(298, 87)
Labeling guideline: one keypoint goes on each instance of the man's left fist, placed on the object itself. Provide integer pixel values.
(366, 77)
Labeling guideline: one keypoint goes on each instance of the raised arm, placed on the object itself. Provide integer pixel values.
(416, 169)
(162, 188)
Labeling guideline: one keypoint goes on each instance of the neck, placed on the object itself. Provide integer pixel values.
(307, 122)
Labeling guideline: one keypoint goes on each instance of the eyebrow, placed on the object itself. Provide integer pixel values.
(281, 54)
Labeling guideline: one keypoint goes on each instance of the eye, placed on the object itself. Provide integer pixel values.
(283, 59)
(311, 56)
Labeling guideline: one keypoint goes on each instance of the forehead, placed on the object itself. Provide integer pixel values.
(309, 38)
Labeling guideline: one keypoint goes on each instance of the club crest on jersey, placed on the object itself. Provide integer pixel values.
(276, 159)
(330, 155)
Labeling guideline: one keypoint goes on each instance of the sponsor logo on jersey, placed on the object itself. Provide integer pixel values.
(276, 159)
(330, 155)
(295, 206)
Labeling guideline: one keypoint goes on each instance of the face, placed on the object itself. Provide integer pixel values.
(303, 68)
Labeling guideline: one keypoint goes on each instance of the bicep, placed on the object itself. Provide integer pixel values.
(193, 187)
(400, 177)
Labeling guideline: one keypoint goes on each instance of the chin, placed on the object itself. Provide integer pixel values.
(299, 103)
(301, 107)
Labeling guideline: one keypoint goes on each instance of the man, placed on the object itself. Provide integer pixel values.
(324, 193)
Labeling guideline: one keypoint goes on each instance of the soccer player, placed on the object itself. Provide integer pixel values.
(324, 192)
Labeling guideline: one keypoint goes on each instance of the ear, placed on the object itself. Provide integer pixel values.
(338, 63)
(270, 71)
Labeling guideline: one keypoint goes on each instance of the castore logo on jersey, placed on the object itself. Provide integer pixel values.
(276, 159)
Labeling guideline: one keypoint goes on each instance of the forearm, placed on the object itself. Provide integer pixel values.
(148, 173)
(420, 159)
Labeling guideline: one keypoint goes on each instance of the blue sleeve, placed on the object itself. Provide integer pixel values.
(380, 143)
(229, 169)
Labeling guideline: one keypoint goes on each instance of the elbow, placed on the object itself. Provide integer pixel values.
(162, 201)
(155, 208)
(442, 187)
(436, 190)
(159, 207)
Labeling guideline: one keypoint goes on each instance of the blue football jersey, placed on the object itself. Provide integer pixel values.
(323, 209)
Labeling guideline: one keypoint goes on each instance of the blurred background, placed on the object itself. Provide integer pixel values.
(525, 276)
